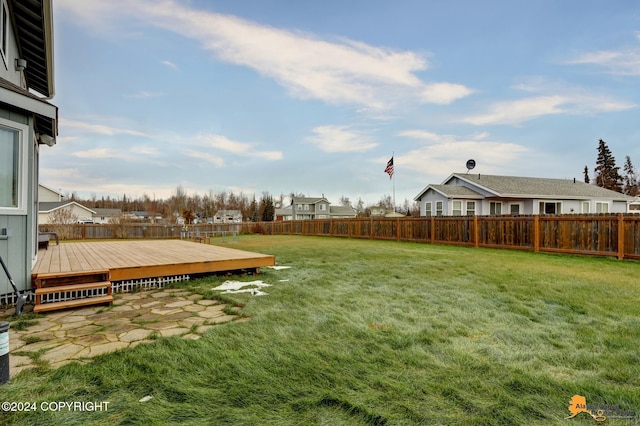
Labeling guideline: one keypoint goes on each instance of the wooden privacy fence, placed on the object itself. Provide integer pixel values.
(608, 235)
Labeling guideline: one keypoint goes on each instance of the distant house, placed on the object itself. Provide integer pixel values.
(309, 208)
(378, 211)
(228, 216)
(77, 213)
(144, 216)
(476, 194)
(27, 122)
(104, 216)
(46, 193)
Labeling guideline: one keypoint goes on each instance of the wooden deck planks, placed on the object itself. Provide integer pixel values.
(145, 259)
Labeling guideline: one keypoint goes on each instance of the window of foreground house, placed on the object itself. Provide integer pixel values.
(13, 167)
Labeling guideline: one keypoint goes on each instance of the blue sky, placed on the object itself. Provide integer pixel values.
(314, 97)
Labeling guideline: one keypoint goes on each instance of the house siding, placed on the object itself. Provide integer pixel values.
(18, 245)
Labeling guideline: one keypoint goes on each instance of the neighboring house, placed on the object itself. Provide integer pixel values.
(342, 212)
(27, 121)
(378, 211)
(228, 216)
(144, 215)
(78, 212)
(308, 208)
(305, 208)
(104, 216)
(46, 193)
(476, 194)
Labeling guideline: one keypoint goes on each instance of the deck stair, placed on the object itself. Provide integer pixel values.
(71, 289)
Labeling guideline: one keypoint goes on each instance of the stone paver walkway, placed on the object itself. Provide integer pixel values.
(134, 318)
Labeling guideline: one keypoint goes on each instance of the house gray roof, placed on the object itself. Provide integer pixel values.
(342, 211)
(521, 187)
(106, 212)
(515, 186)
(308, 200)
(455, 191)
(49, 206)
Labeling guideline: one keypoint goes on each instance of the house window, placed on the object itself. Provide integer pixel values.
(585, 207)
(306, 207)
(299, 206)
(602, 207)
(514, 209)
(427, 209)
(471, 208)
(550, 208)
(438, 208)
(323, 207)
(456, 209)
(4, 33)
(13, 168)
(495, 208)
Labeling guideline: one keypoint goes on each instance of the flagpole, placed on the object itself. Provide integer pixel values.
(394, 180)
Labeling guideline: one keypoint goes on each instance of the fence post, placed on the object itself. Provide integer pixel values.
(371, 229)
(536, 233)
(620, 236)
(476, 242)
(433, 229)
(398, 229)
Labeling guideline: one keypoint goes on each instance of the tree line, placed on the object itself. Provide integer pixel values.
(607, 174)
(195, 207)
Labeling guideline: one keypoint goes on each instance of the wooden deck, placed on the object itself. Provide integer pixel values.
(130, 260)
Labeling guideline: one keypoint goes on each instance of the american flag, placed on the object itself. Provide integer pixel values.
(389, 168)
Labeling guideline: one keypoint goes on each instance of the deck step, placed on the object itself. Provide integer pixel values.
(73, 287)
(70, 278)
(52, 306)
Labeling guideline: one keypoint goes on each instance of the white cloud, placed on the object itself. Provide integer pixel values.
(617, 62)
(101, 129)
(518, 111)
(445, 154)
(169, 64)
(565, 100)
(421, 135)
(243, 149)
(309, 67)
(206, 156)
(340, 139)
(444, 93)
(95, 153)
(142, 94)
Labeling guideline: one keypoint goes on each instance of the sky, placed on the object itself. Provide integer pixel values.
(314, 97)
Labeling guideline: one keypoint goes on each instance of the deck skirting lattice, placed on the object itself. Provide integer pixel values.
(146, 283)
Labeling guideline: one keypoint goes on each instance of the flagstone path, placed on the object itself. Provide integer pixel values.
(134, 318)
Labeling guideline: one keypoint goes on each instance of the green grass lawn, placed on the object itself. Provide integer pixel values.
(373, 333)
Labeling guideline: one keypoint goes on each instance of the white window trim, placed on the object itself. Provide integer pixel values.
(520, 207)
(559, 206)
(603, 203)
(454, 209)
(466, 207)
(496, 204)
(588, 205)
(23, 168)
(428, 209)
(441, 210)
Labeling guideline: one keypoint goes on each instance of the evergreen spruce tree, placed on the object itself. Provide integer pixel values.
(606, 172)
(586, 175)
(267, 209)
(254, 209)
(630, 179)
